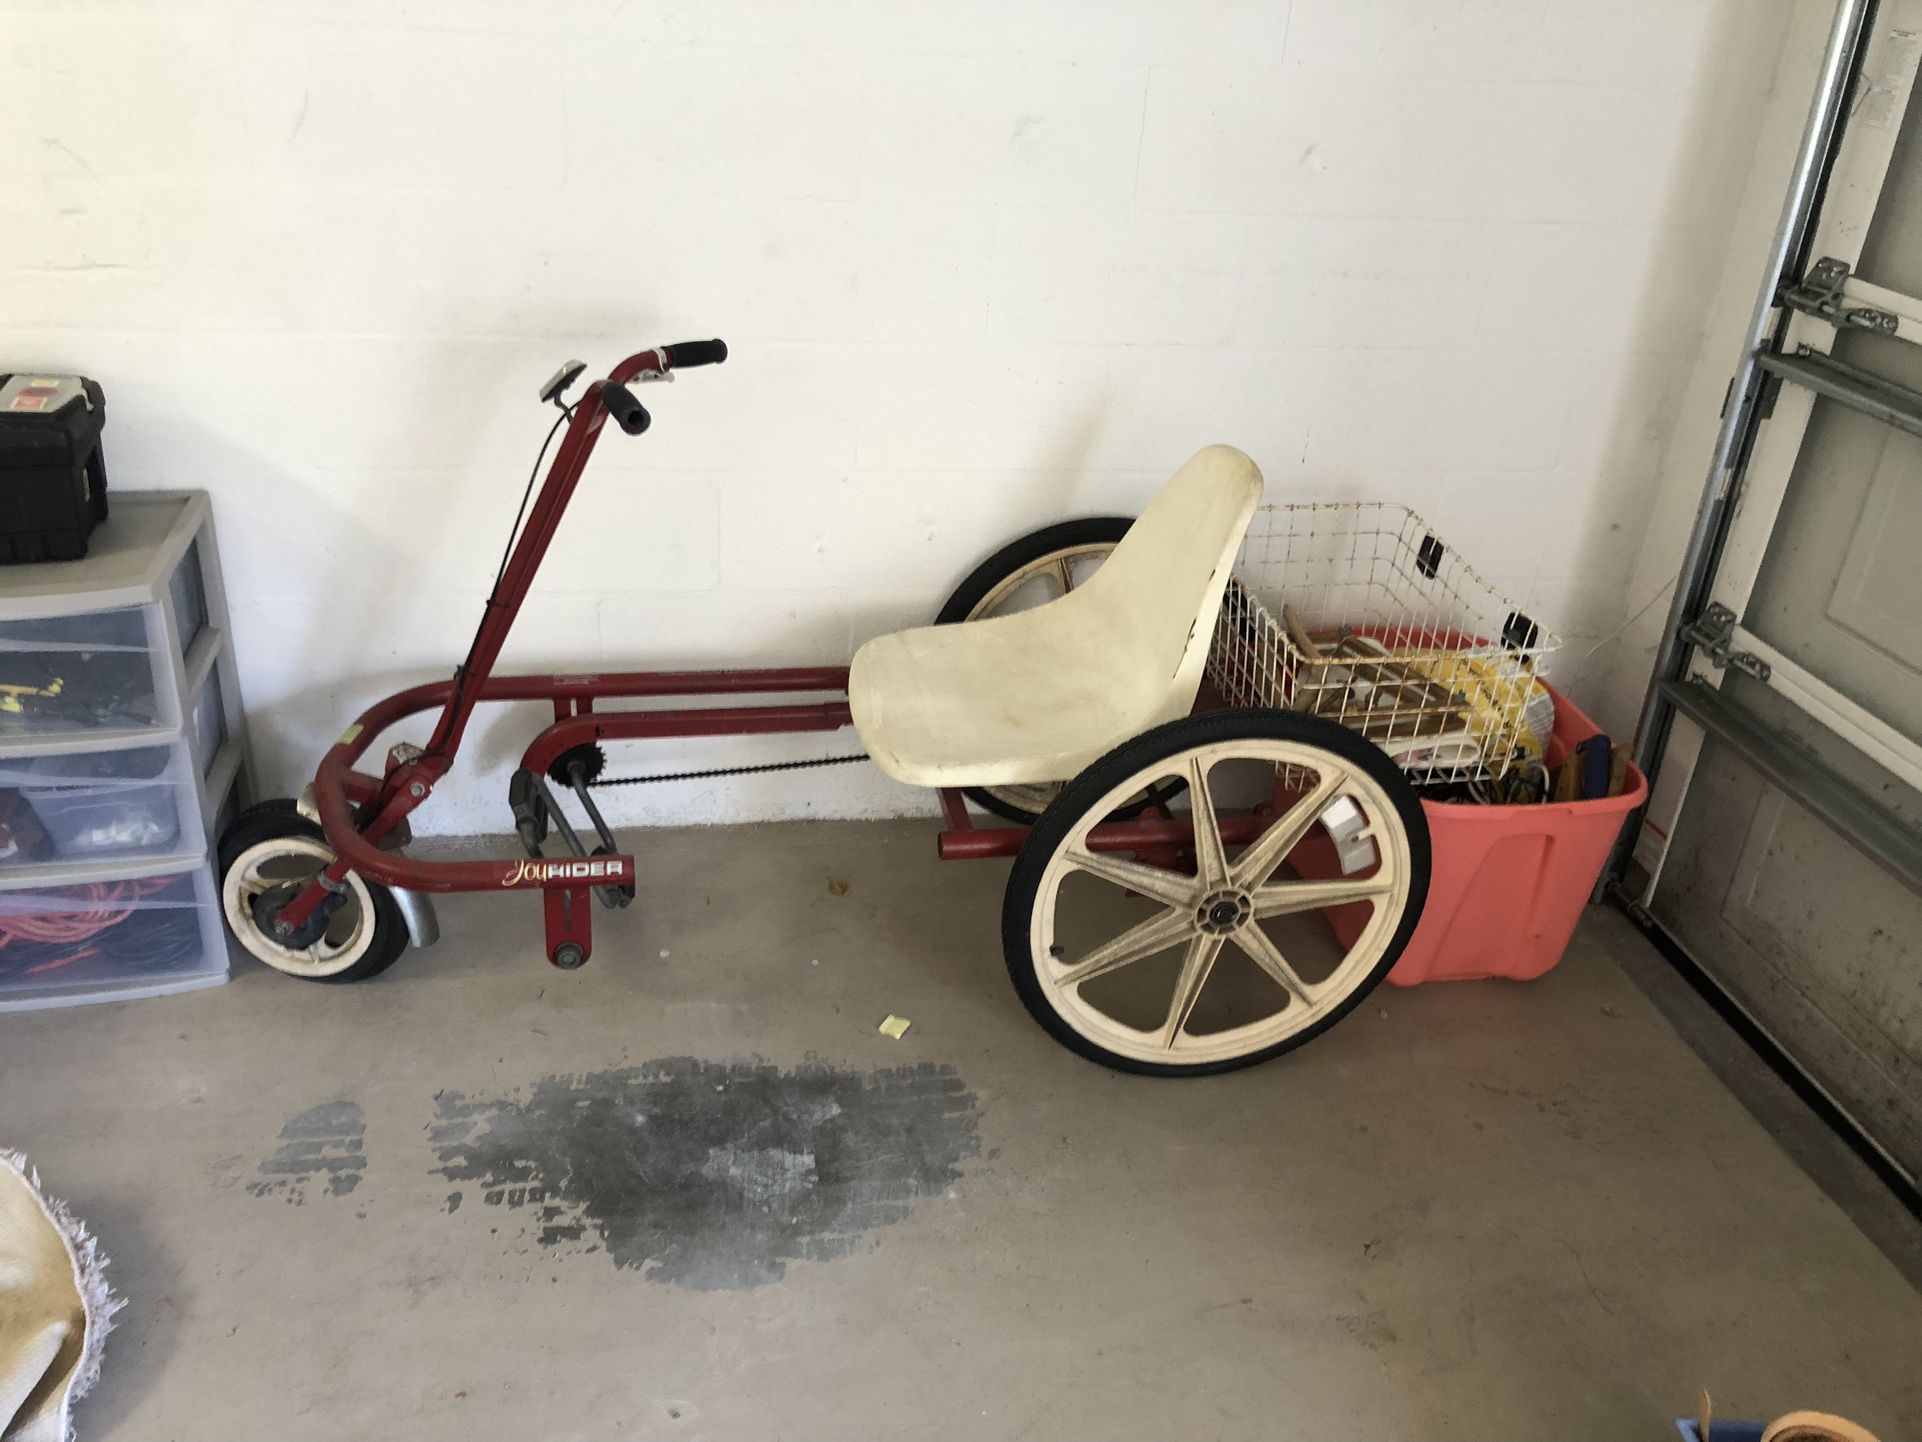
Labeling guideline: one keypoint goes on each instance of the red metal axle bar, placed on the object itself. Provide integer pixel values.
(964, 841)
(344, 794)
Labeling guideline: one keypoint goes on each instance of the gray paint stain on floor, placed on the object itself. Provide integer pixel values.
(709, 1174)
(324, 1142)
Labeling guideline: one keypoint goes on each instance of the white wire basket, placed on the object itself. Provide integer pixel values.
(1357, 611)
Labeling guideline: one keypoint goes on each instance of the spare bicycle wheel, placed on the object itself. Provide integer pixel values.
(1238, 958)
(1039, 567)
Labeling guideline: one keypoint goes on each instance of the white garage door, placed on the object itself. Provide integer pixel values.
(1792, 871)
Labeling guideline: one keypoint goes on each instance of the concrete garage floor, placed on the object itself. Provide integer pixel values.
(1470, 1211)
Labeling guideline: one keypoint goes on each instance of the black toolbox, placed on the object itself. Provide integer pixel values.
(53, 480)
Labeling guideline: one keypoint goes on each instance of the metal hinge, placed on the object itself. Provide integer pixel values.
(1819, 293)
(1712, 631)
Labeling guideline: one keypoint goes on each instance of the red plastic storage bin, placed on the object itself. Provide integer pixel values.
(1508, 883)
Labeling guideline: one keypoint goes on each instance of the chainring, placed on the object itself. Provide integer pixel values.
(592, 760)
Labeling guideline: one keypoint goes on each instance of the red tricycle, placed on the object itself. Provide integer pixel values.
(1152, 920)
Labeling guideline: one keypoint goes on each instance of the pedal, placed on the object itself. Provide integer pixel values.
(581, 766)
(613, 897)
(525, 795)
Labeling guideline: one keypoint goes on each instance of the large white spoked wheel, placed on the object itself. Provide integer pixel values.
(267, 855)
(1039, 567)
(1235, 959)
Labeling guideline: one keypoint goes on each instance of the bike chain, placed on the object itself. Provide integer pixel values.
(726, 771)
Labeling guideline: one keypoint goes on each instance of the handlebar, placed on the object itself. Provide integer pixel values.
(627, 413)
(690, 353)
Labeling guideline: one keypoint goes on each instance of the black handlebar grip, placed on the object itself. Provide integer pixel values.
(690, 353)
(629, 414)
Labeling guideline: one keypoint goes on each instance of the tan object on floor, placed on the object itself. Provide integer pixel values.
(55, 1309)
(1815, 1427)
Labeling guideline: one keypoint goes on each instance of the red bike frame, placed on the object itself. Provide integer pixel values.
(358, 811)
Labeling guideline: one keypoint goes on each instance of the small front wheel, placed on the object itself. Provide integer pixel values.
(267, 855)
(1304, 880)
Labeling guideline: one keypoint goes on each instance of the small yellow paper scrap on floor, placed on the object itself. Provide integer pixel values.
(895, 1026)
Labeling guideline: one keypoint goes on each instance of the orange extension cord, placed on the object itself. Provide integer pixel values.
(108, 904)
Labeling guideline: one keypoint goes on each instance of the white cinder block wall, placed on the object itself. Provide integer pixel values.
(984, 264)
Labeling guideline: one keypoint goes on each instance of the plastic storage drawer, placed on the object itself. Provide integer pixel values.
(188, 591)
(92, 671)
(207, 722)
(110, 940)
(129, 802)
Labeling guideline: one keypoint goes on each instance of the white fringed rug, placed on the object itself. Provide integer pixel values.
(55, 1308)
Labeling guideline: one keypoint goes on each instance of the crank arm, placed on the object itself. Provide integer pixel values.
(612, 897)
(577, 779)
(535, 807)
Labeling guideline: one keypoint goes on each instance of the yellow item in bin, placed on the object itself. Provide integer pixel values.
(14, 698)
(1502, 702)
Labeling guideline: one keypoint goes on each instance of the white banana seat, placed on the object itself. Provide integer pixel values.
(1037, 695)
